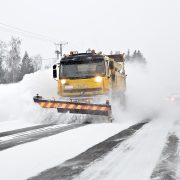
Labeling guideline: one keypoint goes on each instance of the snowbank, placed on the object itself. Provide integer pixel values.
(17, 99)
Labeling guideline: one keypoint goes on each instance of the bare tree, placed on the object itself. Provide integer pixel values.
(3, 55)
(37, 62)
(14, 59)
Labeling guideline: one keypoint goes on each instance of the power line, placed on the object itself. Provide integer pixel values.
(19, 29)
(25, 33)
(12, 29)
(21, 34)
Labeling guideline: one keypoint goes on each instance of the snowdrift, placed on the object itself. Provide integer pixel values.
(17, 102)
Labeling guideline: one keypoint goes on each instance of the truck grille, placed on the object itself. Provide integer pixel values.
(82, 90)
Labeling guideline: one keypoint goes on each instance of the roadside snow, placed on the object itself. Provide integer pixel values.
(17, 99)
(177, 132)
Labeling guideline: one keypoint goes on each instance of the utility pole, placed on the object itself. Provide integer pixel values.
(59, 52)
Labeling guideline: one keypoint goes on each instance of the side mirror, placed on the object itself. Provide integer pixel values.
(54, 71)
(111, 65)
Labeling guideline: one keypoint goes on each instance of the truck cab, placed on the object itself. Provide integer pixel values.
(89, 74)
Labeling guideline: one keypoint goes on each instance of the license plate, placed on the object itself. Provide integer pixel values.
(68, 87)
(81, 86)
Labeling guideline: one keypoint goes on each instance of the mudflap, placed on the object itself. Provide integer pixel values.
(75, 107)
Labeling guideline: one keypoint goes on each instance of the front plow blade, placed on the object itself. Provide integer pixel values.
(74, 107)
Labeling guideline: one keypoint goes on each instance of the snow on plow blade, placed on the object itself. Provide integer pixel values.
(74, 107)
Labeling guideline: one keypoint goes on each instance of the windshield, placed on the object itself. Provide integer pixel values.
(82, 69)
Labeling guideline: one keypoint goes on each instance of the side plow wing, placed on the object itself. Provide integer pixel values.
(74, 107)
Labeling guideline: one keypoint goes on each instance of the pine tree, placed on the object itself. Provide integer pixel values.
(27, 65)
(139, 55)
(128, 57)
(134, 54)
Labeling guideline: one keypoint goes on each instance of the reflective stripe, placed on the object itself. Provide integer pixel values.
(78, 107)
(49, 105)
(94, 108)
(56, 105)
(103, 108)
(41, 104)
(73, 106)
(63, 105)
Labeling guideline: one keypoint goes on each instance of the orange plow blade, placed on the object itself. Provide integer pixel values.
(74, 107)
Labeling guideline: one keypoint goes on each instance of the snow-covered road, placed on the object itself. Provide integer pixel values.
(76, 165)
(135, 158)
(27, 160)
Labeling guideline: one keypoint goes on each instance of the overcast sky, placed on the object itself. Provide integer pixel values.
(152, 26)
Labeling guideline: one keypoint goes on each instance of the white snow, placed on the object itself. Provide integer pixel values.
(11, 125)
(26, 160)
(135, 158)
(17, 99)
(176, 130)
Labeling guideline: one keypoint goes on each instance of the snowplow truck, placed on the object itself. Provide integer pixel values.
(86, 83)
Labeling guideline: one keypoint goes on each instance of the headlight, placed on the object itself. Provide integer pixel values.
(63, 81)
(98, 79)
